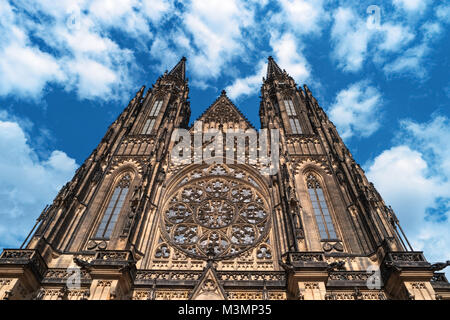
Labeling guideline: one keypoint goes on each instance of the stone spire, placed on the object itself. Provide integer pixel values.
(272, 68)
(179, 70)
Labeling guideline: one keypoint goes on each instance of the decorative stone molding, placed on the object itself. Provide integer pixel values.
(60, 276)
(349, 276)
(365, 295)
(302, 162)
(305, 260)
(97, 245)
(171, 295)
(23, 258)
(138, 162)
(329, 246)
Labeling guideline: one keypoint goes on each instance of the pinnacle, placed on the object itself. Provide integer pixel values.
(273, 68)
(179, 70)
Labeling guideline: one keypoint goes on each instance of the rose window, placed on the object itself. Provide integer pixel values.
(216, 214)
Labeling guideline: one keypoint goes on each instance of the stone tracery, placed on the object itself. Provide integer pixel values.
(219, 211)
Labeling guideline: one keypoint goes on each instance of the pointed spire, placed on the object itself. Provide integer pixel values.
(179, 70)
(273, 68)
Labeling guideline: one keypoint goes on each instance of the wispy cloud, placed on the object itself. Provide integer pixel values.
(27, 182)
(414, 177)
(356, 110)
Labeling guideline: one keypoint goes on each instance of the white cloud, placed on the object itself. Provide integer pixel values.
(350, 37)
(247, 85)
(432, 138)
(303, 17)
(27, 182)
(209, 33)
(356, 110)
(216, 28)
(23, 67)
(394, 36)
(354, 41)
(288, 56)
(80, 54)
(56, 38)
(414, 177)
(443, 12)
(410, 62)
(94, 80)
(411, 6)
(26, 70)
(156, 10)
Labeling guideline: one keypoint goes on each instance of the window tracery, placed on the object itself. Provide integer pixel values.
(216, 210)
(320, 208)
(292, 114)
(150, 122)
(114, 207)
(162, 252)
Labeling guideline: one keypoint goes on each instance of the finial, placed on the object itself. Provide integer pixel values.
(224, 93)
(183, 59)
(270, 58)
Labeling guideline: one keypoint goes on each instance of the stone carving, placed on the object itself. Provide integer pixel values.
(221, 214)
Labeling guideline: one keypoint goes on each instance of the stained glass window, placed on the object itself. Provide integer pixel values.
(115, 205)
(320, 207)
(150, 122)
(293, 119)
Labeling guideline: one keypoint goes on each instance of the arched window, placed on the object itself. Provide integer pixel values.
(292, 114)
(115, 204)
(150, 122)
(320, 207)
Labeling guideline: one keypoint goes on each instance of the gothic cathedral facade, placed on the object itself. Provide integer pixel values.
(132, 224)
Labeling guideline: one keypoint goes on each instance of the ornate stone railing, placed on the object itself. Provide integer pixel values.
(189, 277)
(408, 256)
(60, 275)
(348, 276)
(406, 259)
(113, 256)
(144, 276)
(24, 258)
(304, 257)
(251, 276)
(305, 260)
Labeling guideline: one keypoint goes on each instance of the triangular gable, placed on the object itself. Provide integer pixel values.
(209, 286)
(223, 110)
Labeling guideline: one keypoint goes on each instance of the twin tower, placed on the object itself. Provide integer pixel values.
(133, 224)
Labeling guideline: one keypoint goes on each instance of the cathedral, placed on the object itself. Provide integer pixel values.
(164, 210)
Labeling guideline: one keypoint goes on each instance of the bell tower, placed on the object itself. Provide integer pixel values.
(331, 211)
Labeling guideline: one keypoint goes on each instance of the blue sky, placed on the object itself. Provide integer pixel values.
(68, 68)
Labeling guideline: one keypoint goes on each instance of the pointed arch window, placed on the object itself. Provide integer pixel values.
(293, 119)
(320, 207)
(290, 107)
(150, 122)
(115, 205)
